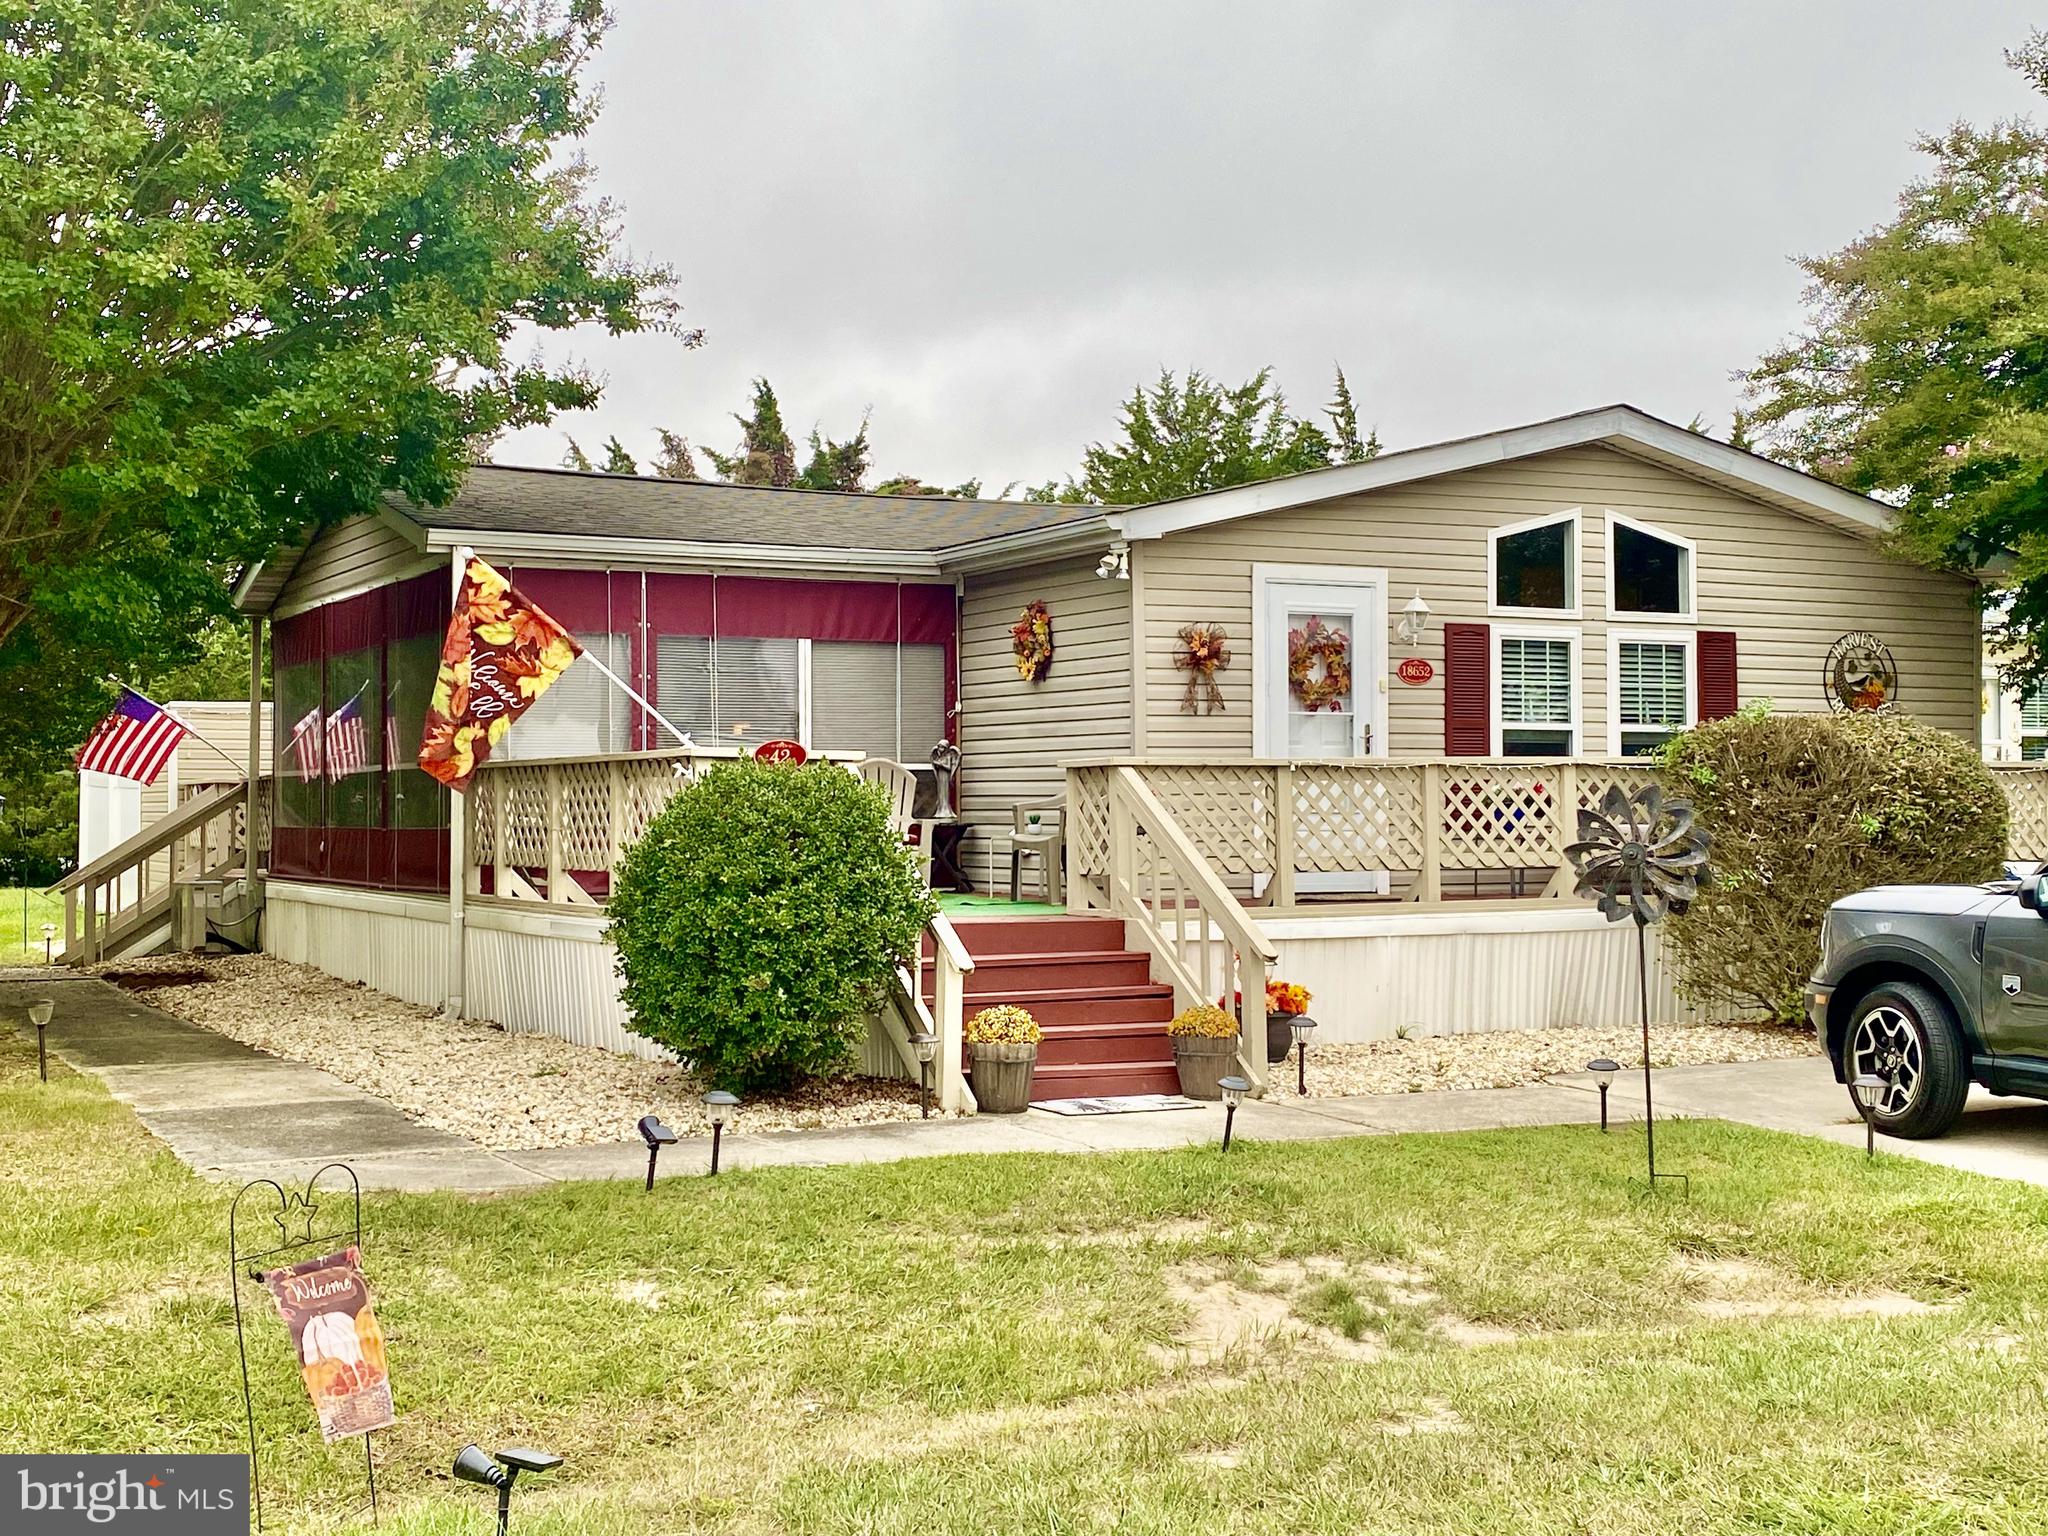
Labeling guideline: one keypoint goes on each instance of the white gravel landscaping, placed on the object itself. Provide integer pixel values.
(500, 1090)
(1505, 1058)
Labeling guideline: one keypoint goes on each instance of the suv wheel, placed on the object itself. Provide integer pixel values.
(1904, 1033)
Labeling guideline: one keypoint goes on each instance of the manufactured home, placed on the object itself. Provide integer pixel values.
(1333, 726)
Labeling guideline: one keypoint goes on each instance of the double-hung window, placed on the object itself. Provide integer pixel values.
(1651, 690)
(1536, 692)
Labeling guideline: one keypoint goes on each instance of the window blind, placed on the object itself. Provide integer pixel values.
(682, 688)
(853, 698)
(582, 712)
(924, 702)
(2034, 710)
(1650, 681)
(754, 690)
(1535, 681)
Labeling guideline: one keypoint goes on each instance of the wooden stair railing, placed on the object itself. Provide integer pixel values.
(123, 894)
(946, 1017)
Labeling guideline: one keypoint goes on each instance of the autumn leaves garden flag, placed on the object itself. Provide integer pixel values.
(501, 653)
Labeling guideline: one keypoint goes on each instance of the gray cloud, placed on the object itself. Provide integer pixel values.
(987, 221)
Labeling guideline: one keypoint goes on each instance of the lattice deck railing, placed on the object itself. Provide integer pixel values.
(1425, 831)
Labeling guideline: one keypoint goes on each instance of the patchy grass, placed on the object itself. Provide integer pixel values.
(21, 945)
(1485, 1333)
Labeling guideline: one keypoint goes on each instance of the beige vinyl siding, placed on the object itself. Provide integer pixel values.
(352, 557)
(196, 766)
(1016, 736)
(1786, 586)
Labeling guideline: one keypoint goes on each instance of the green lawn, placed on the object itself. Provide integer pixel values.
(15, 949)
(1512, 1338)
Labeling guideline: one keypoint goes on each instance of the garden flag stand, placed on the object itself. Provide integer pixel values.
(1641, 857)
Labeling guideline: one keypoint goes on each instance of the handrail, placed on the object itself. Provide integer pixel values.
(157, 836)
(947, 937)
(1144, 897)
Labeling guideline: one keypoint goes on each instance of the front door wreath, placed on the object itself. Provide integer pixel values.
(1031, 639)
(1316, 645)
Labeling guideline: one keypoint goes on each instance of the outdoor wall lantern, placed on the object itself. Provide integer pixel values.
(1234, 1089)
(719, 1107)
(1603, 1069)
(657, 1136)
(1302, 1026)
(39, 1015)
(1414, 619)
(499, 1471)
(1116, 564)
(1870, 1091)
(926, 1044)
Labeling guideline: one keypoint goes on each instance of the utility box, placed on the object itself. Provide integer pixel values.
(192, 903)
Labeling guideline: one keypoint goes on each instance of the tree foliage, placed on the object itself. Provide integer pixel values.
(1804, 810)
(259, 261)
(760, 919)
(1180, 437)
(1922, 374)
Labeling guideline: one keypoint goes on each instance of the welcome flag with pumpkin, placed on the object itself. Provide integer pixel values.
(325, 1304)
(501, 654)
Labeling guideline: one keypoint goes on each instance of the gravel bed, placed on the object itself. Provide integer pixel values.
(500, 1090)
(1505, 1058)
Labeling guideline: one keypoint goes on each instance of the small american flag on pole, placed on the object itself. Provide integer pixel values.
(306, 744)
(134, 742)
(347, 752)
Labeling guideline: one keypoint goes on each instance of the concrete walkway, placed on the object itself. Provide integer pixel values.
(232, 1112)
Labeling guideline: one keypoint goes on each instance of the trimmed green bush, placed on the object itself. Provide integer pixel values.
(760, 918)
(1807, 809)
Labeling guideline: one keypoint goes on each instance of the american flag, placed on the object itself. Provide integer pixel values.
(391, 757)
(306, 744)
(134, 742)
(347, 752)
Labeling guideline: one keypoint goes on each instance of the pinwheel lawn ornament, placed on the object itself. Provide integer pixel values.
(1642, 857)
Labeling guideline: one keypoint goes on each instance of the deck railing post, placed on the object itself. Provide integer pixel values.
(615, 812)
(501, 833)
(551, 784)
(1431, 876)
(1283, 836)
(1070, 828)
(1564, 823)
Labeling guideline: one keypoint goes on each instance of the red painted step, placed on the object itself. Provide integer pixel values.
(1103, 1081)
(1096, 1044)
(1150, 1003)
(1062, 971)
(1036, 935)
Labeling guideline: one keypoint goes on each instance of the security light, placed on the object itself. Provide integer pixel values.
(1301, 1026)
(926, 1046)
(39, 1015)
(1869, 1090)
(1234, 1089)
(1116, 565)
(1603, 1069)
(719, 1107)
(657, 1136)
(473, 1466)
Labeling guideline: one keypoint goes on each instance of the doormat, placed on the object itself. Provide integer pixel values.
(1126, 1104)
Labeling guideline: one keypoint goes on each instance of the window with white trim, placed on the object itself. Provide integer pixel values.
(1653, 692)
(2034, 724)
(1534, 567)
(1650, 571)
(1536, 677)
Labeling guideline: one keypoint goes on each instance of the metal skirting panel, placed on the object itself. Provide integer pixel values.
(400, 951)
(1367, 987)
(546, 985)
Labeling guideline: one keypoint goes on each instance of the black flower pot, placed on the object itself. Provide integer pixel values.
(1280, 1036)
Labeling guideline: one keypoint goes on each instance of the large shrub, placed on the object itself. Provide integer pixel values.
(760, 918)
(1804, 810)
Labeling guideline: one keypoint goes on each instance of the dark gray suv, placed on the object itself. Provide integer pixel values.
(1931, 988)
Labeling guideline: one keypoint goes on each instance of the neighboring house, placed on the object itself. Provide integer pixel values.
(1591, 584)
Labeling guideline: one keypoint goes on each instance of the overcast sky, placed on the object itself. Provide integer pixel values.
(986, 221)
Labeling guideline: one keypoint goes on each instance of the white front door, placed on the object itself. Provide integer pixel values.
(1321, 663)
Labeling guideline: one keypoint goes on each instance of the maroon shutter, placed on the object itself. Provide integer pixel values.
(1714, 659)
(1468, 690)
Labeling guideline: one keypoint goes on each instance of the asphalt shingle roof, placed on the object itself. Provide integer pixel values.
(499, 498)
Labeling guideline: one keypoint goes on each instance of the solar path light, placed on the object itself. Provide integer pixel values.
(719, 1107)
(1302, 1026)
(499, 1470)
(1234, 1089)
(1870, 1090)
(1603, 1069)
(926, 1045)
(657, 1136)
(39, 1015)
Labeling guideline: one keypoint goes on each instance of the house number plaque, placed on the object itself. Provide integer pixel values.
(1415, 671)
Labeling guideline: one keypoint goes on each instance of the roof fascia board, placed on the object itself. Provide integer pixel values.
(1085, 536)
(1615, 424)
(574, 551)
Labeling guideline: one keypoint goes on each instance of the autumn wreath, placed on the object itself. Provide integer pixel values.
(1031, 639)
(1204, 651)
(1315, 643)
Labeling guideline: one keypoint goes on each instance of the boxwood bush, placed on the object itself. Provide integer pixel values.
(1804, 810)
(759, 919)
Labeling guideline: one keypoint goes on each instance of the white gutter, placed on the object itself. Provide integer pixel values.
(574, 550)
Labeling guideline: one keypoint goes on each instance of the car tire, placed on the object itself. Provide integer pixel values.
(1906, 1033)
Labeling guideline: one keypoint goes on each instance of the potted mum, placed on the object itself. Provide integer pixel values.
(1286, 1002)
(1002, 1044)
(1204, 1049)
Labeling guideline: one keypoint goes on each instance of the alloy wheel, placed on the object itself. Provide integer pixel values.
(1886, 1044)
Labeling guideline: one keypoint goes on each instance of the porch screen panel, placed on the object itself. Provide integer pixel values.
(754, 690)
(355, 692)
(418, 800)
(300, 788)
(1535, 697)
(583, 711)
(853, 697)
(1650, 687)
(682, 689)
